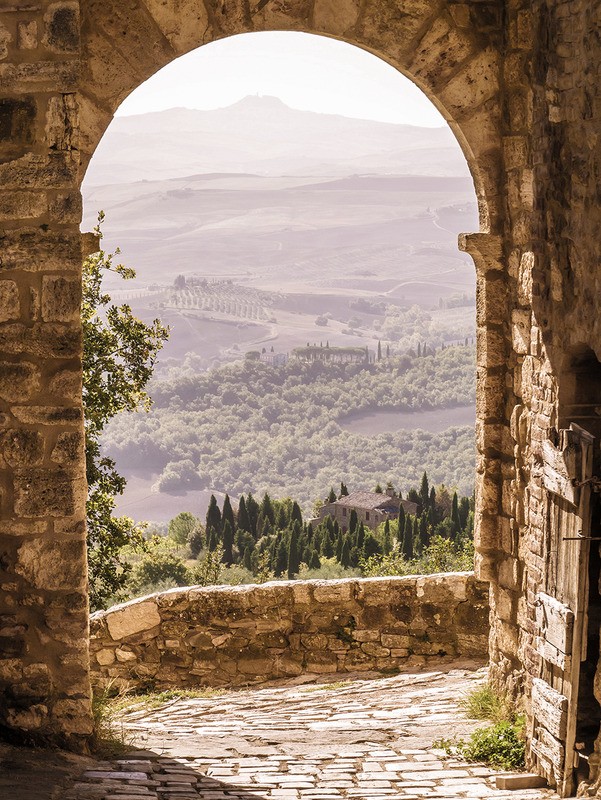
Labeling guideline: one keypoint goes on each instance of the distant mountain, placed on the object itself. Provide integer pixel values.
(262, 135)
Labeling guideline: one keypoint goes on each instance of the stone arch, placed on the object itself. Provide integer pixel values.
(71, 62)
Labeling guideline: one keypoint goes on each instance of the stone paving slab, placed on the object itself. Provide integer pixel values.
(362, 740)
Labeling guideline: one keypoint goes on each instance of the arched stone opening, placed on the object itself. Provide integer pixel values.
(65, 101)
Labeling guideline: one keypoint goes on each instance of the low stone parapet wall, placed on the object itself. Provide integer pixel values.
(240, 635)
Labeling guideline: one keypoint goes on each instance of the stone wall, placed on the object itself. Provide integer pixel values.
(234, 636)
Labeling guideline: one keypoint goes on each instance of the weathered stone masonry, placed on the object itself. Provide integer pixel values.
(518, 82)
(235, 636)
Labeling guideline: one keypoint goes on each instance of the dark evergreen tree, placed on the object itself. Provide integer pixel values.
(228, 544)
(386, 541)
(353, 521)
(343, 490)
(267, 509)
(407, 540)
(327, 547)
(401, 521)
(379, 350)
(227, 514)
(331, 498)
(423, 532)
(282, 520)
(296, 515)
(213, 540)
(464, 510)
(339, 543)
(247, 559)
(213, 521)
(419, 349)
(345, 554)
(309, 533)
(455, 521)
(243, 520)
(360, 536)
(371, 546)
(281, 559)
(432, 504)
(378, 489)
(266, 530)
(424, 493)
(252, 508)
(416, 539)
(293, 552)
(314, 563)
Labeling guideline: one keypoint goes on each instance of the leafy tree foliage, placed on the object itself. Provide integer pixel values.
(119, 353)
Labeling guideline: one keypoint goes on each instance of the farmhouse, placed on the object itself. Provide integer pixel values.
(371, 508)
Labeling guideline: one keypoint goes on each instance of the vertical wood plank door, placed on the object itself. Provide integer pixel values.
(561, 610)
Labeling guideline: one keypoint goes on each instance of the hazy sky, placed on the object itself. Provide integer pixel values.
(306, 71)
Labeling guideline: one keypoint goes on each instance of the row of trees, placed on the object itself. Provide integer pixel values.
(270, 539)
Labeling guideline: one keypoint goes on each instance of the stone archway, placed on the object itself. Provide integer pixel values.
(66, 68)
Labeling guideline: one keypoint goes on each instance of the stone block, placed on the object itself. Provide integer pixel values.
(105, 657)
(10, 304)
(52, 565)
(61, 27)
(18, 380)
(22, 205)
(61, 299)
(44, 493)
(17, 121)
(133, 618)
(335, 16)
(520, 780)
(20, 447)
(36, 250)
(69, 448)
(27, 35)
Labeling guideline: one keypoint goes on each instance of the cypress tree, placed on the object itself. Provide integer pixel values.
(267, 509)
(282, 521)
(360, 536)
(252, 508)
(424, 492)
(345, 554)
(378, 489)
(419, 349)
(309, 533)
(432, 503)
(247, 559)
(401, 523)
(343, 490)
(314, 563)
(266, 530)
(464, 510)
(227, 513)
(213, 521)
(353, 521)
(386, 542)
(416, 540)
(243, 520)
(213, 540)
(327, 548)
(228, 544)
(296, 515)
(331, 498)
(339, 544)
(379, 350)
(281, 559)
(293, 555)
(455, 522)
(407, 540)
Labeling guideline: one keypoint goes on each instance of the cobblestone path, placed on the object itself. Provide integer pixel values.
(361, 740)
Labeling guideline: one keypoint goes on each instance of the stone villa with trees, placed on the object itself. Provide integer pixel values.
(371, 508)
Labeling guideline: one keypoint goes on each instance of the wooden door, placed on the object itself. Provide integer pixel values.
(561, 610)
